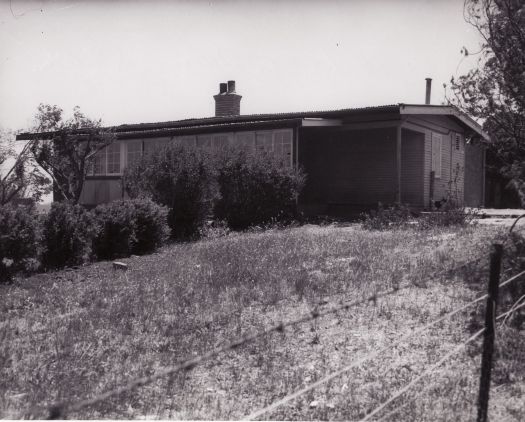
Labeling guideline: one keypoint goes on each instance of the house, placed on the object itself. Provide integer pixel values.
(418, 154)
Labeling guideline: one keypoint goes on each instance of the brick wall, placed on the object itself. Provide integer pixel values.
(227, 105)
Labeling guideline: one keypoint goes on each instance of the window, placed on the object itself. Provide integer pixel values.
(204, 141)
(246, 141)
(263, 141)
(458, 141)
(437, 141)
(113, 158)
(99, 163)
(188, 141)
(220, 141)
(134, 151)
(106, 161)
(282, 145)
(155, 144)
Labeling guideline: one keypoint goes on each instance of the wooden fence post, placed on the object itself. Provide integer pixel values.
(488, 338)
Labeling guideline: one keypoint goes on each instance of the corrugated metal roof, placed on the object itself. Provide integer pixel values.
(147, 129)
(250, 117)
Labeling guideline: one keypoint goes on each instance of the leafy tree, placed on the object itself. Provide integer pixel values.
(494, 92)
(65, 149)
(20, 176)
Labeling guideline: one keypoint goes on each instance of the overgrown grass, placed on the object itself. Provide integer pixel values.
(70, 335)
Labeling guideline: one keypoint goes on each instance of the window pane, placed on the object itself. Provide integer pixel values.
(263, 141)
(283, 145)
(204, 141)
(246, 141)
(113, 158)
(99, 162)
(188, 141)
(220, 141)
(134, 152)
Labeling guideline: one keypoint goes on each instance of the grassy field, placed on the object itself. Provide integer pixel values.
(72, 334)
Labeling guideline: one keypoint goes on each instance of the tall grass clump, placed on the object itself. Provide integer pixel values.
(256, 189)
(19, 245)
(136, 226)
(386, 217)
(68, 233)
(179, 178)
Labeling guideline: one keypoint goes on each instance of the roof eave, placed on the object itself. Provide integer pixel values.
(443, 110)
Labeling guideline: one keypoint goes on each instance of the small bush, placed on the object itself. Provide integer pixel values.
(213, 230)
(256, 189)
(385, 218)
(18, 240)
(180, 178)
(448, 215)
(136, 226)
(68, 235)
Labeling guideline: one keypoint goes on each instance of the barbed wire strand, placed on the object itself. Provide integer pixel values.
(321, 302)
(398, 408)
(435, 366)
(289, 397)
(423, 374)
(60, 409)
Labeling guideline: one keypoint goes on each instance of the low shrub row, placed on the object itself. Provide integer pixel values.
(71, 235)
(175, 191)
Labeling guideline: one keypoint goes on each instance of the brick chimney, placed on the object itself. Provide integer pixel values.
(227, 101)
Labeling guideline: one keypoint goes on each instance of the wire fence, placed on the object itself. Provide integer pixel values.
(60, 410)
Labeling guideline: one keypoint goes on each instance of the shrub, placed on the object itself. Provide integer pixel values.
(19, 230)
(136, 226)
(393, 216)
(68, 235)
(180, 178)
(256, 189)
(447, 218)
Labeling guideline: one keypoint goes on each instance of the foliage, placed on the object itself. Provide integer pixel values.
(21, 177)
(495, 91)
(68, 148)
(136, 226)
(515, 293)
(385, 218)
(447, 216)
(19, 232)
(68, 233)
(180, 178)
(213, 229)
(256, 189)
(398, 215)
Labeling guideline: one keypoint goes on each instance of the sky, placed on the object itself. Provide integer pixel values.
(150, 61)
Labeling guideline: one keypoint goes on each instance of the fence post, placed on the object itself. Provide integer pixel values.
(488, 338)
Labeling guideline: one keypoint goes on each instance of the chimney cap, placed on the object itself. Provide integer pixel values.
(231, 87)
(223, 87)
